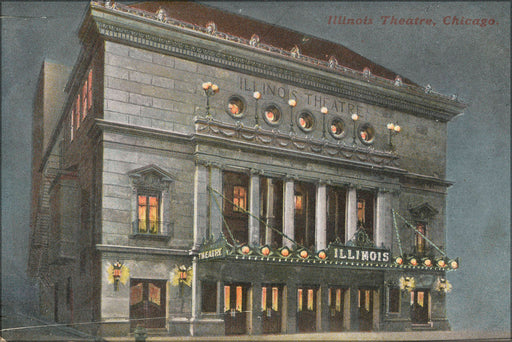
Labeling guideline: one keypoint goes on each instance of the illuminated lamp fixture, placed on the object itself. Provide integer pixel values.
(303, 254)
(265, 250)
(322, 255)
(117, 272)
(245, 249)
(292, 103)
(354, 117)
(399, 260)
(285, 252)
(454, 264)
(210, 90)
(441, 263)
(427, 262)
(398, 81)
(407, 283)
(442, 285)
(257, 96)
(324, 111)
(413, 261)
(393, 129)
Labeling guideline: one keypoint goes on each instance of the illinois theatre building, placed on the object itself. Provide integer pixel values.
(197, 173)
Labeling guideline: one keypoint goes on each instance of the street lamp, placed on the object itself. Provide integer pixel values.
(393, 129)
(354, 117)
(209, 90)
(324, 111)
(257, 96)
(292, 103)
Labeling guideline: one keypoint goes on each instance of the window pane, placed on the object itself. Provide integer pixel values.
(239, 198)
(299, 300)
(89, 90)
(226, 298)
(275, 298)
(263, 298)
(239, 298)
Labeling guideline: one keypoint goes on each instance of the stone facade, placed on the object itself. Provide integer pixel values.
(145, 136)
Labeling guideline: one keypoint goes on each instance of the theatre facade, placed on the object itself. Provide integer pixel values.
(207, 174)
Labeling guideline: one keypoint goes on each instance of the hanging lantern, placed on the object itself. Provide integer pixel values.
(442, 285)
(407, 283)
(182, 276)
(117, 272)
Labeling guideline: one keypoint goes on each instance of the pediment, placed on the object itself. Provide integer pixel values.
(423, 211)
(150, 176)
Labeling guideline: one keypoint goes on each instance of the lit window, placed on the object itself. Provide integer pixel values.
(236, 106)
(366, 133)
(239, 198)
(272, 114)
(420, 241)
(337, 128)
(360, 210)
(299, 300)
(306, 121)
(148, 214)
(299, 203)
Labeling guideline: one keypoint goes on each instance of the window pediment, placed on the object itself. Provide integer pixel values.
(423, 211)
(150, 176)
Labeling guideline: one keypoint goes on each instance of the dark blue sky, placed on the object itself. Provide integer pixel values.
(471, 61)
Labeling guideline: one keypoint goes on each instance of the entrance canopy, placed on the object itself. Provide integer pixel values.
(358, 253)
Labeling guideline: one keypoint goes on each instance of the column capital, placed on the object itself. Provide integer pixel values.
(289, 177)
(256, 172)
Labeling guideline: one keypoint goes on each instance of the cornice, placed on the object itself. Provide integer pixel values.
(194, 45)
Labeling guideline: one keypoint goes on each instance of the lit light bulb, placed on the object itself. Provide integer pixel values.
(324, 110)
(256, 95)
(391, 126)
(397, 128)
(292, 102)
(355, 117)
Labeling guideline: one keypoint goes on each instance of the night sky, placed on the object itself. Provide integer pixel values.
(468, 60)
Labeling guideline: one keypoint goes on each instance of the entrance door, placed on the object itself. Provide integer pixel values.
(272, 307)
(336, 307)
(420, 306)
(236, 297)
(147, 303)
(306, 309)
(365, 309)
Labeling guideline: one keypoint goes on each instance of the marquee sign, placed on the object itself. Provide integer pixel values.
(338, 252)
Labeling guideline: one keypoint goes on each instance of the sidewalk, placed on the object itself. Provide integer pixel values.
(349, 336)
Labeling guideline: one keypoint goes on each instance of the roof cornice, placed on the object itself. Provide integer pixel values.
(125, 25)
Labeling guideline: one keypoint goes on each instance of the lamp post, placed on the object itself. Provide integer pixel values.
(324, 111)
(257, 96)
(292, 103)
(209, 90)
(393, 130)
(354, 117)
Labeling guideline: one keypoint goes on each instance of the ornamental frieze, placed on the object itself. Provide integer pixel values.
(274, 138)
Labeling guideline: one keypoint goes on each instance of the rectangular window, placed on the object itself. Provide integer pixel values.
(420, 241)
(85, 97)
(89, 90)
(365, 211)
(148, 214)
(336, 208)
(209, 296)
(239, 199)
(271, 211)
(304, 215)
(393, 300)
(420, 306)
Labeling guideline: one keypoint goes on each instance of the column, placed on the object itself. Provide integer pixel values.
(351, 225)
(254, 208)
(321, 217)
(324, 308)
(289, 211)
(270, 219)
(257, 326)
(195, 296)
(354, 309)
(383, 222)
(216, 201)
(201, 198)
(291, 309)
